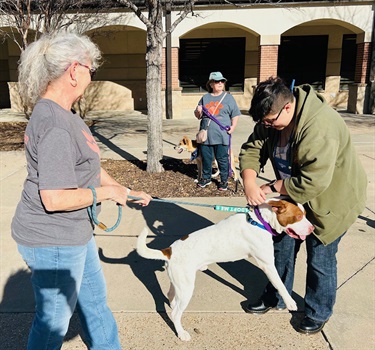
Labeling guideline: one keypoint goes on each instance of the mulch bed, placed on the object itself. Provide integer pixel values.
(177, 179)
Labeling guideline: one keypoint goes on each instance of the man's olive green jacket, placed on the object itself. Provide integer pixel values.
(327, 176)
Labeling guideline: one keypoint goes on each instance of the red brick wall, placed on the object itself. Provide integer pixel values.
(175, 81)
(163, 71)
(362, 68)
(267, 61)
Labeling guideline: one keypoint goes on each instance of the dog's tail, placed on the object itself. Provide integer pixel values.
(146, 252)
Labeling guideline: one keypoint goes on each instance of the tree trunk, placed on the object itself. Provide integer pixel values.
(154, 103)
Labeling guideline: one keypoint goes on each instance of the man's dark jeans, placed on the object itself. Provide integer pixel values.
(321, 277)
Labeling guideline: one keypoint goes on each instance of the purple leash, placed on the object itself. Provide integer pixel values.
(224, 128)
(265, 224)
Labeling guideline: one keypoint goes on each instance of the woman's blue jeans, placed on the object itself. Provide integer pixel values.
(64, 278)
(321, 277)
(221, 154)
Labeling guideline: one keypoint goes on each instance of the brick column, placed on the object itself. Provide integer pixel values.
(362, 68)
(175, 80)
(358, 90)
(163, 71)
(267, 66)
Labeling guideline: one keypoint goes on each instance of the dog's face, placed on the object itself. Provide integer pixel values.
(185, 144)
(291, 218)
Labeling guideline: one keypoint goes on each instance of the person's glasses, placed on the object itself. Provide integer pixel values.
(91, 70)
(219, 81)
(269, 122)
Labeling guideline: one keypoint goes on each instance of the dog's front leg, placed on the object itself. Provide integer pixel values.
(273, 277)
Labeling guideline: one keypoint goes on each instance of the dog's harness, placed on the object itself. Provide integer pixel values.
(263, 224)
(194, 155)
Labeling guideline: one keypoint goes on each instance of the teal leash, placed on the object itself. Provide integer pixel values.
(226, 208)
(92, 214)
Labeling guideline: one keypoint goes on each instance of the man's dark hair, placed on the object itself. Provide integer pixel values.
(269, 98)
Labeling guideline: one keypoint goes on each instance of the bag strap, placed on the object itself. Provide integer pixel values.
(221, 100)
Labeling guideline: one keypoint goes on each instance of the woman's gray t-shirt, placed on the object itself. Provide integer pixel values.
(61, 153)
(223, 112)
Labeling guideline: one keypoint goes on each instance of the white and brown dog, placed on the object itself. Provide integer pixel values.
(231, 239)
(189, 145)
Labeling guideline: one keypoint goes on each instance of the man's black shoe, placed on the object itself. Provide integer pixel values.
(309, 326)
(260, 308)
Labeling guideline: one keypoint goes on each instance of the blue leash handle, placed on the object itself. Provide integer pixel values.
(92, 214)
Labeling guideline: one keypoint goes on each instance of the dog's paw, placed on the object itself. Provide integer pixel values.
(292, 305)
(183, 335)
(196, 181)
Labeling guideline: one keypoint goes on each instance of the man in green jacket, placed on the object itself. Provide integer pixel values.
(315, 164)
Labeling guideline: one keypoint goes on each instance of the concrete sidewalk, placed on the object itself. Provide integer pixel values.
(215, 318)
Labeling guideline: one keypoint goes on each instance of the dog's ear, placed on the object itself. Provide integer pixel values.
(277, 206)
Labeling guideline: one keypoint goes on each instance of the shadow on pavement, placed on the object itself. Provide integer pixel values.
(18, 299)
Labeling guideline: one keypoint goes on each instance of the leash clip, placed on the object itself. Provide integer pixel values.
(102, 226)
(250, 207)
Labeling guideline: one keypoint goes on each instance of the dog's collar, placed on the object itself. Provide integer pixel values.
(263, 224)
(194, 155)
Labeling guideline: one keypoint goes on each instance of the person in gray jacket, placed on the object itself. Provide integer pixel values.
(315, 164)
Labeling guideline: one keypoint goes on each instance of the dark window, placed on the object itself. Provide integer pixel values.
(348, 60)
(199, 57)
(303, 58)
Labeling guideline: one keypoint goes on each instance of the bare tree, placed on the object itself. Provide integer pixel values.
(23, 21)
(156, 9)
(46, 16)
(154, 49)
(26, 20)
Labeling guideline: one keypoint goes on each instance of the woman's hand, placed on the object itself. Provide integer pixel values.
(145, 198)
(198, 112)
(233, 125)
(230, 131)
(119, 194)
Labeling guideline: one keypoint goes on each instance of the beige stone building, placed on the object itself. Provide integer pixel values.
(328, 44)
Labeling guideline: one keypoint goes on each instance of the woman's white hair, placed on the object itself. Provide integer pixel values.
(46, 59)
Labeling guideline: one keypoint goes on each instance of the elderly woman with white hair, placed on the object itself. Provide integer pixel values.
(52, 226)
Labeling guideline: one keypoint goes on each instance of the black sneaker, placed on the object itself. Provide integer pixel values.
(223, 186)
(204, 182)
